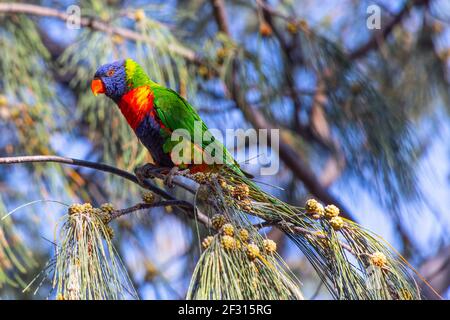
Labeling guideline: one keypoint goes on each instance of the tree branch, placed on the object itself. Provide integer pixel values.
(98, 25)
(371, 44)
(220, 15)
(288, 227)
(436, 270)
(198, 216)
(378, 37)
(191, 212)
(337, 159)
(289, 156)
(71, 161)
(142, 206)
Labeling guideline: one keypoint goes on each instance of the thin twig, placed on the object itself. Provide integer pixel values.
(287, 153)
(191, 212)
(316, 292)
(289, 228)
(142, 206)
(98, 25)
(221, 15)
(377, 39)
(289, 156)
(87, 164)
(171, 200)
(71, 161)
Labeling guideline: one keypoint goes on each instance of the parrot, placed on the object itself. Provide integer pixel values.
(154, 112)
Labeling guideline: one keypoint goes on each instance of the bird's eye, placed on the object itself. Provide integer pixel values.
(110, 73)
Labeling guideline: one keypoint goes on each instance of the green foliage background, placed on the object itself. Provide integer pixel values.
(363, 124)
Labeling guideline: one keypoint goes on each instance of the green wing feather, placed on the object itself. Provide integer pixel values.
(176, 113)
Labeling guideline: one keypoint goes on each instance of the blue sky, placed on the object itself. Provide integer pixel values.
(423, 223)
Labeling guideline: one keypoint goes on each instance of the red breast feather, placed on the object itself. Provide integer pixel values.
(136, 104)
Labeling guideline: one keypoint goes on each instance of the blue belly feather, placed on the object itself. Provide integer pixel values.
(149, 134)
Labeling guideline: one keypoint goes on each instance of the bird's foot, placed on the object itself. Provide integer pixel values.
(168, 180)
(147, 171)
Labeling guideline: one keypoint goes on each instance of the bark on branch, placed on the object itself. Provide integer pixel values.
(185, 206)
(377, 39)
(288, 155)
(142, 206)
(97, 25)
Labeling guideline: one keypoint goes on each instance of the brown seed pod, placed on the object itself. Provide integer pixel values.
(148, 197)
(217, 221)
(3, 101)
(292, 27)
(75, 208)
(200, 177)
(109, 233)
(139, 15)
(203, 71)
(252, 251)
(337, 223)
(244, 235)
(207, 242)
(314, 208)
(221, 54)
(270, 246)
(378, 259)
(150, 271)
(107, 207)
(228, 229)
(331, 211)
(228, 242)
(265, 29)
(241, 191)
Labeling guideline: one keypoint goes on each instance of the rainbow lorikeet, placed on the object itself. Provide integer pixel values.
(154, 112)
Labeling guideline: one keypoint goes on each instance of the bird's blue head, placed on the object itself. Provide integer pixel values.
(111, 80)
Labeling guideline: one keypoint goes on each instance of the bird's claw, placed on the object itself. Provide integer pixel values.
(147, 171)
(150, 171)
(168, 180)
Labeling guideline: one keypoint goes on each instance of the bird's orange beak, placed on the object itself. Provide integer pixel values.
(97, 86)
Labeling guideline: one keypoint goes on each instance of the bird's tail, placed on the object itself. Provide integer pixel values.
(352, 262)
